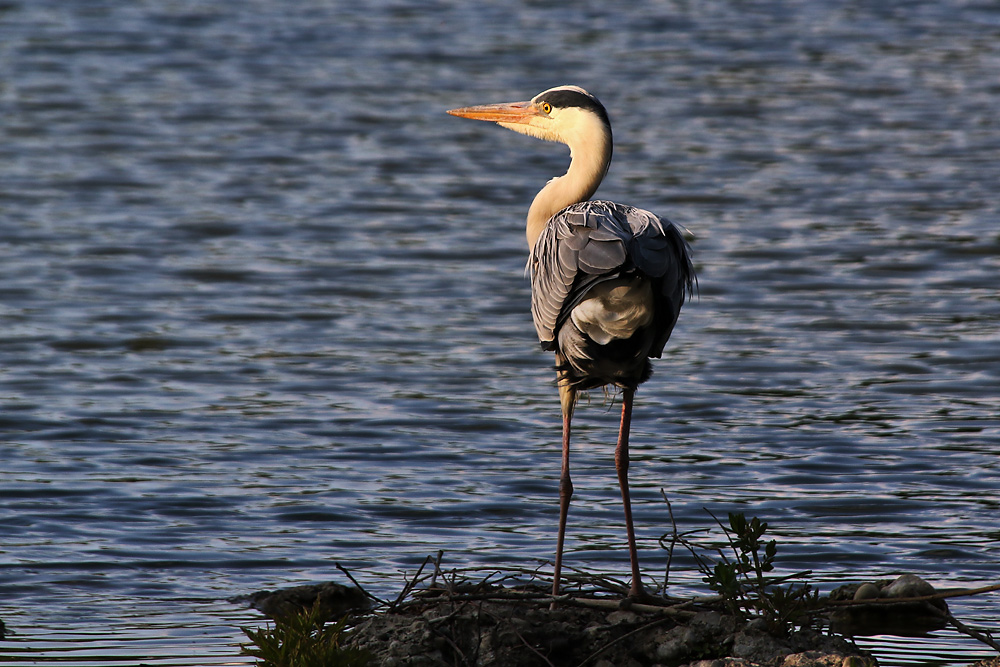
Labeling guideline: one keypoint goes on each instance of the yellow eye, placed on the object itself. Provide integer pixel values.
(546, 108)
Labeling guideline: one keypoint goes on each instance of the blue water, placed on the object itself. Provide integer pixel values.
(263, 307)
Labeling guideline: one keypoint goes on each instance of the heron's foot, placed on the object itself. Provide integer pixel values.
(557, 599)
(637, 594)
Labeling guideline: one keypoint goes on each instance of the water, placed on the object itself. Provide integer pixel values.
(263, 303)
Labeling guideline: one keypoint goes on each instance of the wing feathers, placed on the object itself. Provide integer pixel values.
(597, 241)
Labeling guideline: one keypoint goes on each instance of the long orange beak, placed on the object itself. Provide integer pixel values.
(508, 112)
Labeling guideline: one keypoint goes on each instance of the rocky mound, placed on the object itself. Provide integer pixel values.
(450, 630)
(493, 626)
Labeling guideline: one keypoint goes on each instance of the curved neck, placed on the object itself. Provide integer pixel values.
(590, 157)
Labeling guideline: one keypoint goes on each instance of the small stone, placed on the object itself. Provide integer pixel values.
(619, 617)
(708, 619)
(856, 661)
(669, 650)
(677, 645)
(908, 586)
(812, 659)
(988, 662)
(866, 592)
(334, 600)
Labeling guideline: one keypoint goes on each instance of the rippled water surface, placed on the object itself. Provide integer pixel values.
(263, 306)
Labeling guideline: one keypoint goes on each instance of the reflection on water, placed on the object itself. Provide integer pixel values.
(264, 309)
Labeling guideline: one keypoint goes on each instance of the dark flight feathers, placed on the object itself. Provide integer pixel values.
(596, 241)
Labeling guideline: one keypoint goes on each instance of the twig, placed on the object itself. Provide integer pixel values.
(526, 596)
(673, 540)
(607, 583)
(962, 627)
(410, 585)
(678, 610)
(674, 611)
(437, 567)
(354, 581)
(681, 538)
(729, 537)
(777, 581)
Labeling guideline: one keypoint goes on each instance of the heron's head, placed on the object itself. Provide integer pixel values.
(567, 114)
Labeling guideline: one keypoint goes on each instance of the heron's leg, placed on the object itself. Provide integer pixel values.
(621, 465)
(567, 396)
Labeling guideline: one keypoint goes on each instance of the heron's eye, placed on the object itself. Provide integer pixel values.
(546, 108)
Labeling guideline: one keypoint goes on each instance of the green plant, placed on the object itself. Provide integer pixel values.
(741, 581)
(740, 578)
(736, 579)
(303, 640)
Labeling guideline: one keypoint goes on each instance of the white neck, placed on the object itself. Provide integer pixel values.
(590, 148)
(578, 184)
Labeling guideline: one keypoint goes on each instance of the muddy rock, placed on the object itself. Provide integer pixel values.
(495, 632)
(335, 600)
(487, 625)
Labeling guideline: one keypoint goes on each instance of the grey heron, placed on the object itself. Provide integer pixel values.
(607, 280)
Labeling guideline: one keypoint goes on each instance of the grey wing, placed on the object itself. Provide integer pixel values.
(593, 241)
(572, 253)
(658, 250)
